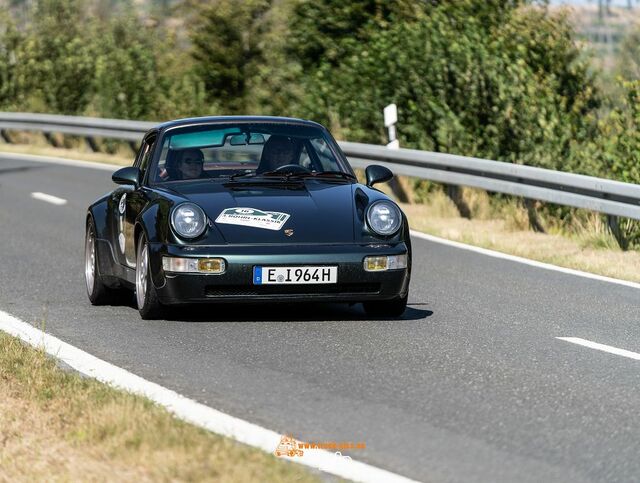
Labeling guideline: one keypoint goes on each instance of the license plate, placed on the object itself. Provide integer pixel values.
(294, 275)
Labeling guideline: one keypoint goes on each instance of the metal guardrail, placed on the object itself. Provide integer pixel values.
(74, 125)
(596, 194)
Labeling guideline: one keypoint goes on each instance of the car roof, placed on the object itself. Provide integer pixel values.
(235, 119)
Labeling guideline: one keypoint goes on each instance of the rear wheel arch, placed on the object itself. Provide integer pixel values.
(99, 293)
(146, 297)
(138, 230)
(99, 214)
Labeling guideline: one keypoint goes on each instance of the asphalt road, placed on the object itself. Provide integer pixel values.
(471, 385)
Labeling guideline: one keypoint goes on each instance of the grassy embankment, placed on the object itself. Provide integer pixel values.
(58, 426)
(586, 245)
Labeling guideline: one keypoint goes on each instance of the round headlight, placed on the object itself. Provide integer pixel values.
(188, 220)
(384, 218)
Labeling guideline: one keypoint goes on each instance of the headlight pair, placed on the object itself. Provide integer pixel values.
(188, 220)
(384, 218)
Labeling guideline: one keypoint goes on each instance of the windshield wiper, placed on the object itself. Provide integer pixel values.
(321, 174)
(289, 176)
(262, 178)
(241, 174)
(275, 173)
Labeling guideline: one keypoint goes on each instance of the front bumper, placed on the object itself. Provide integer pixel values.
(236, 284)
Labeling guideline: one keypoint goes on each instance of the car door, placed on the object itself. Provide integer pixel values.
(131, 201)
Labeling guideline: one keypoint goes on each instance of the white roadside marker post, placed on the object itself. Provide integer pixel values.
(390, 120)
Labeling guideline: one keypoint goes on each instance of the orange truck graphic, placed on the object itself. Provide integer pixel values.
(288, 446)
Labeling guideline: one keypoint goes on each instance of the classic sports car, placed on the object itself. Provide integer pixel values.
(247, 209)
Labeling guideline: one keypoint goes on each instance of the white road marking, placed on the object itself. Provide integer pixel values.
(188, 409)
(54, 200)
(63, 161)
(526, 261)
(601, 347)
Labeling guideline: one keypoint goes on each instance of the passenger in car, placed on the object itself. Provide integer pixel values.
(191, 164)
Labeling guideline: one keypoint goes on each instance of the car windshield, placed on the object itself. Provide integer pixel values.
(246, 151)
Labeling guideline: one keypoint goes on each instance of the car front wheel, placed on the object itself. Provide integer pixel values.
(386, 308)
(148, 304)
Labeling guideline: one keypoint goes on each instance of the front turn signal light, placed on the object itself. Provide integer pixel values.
(211, 265)
(194, 265)
(382, 263)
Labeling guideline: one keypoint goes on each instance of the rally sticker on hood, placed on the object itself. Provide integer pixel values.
(269, 220)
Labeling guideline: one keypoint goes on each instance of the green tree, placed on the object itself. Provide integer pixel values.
(326, 30)
(228, 49)
(126, 75)
(10, 86)
(58, 54)
(181, 92)
(509, 86)
(615, 148)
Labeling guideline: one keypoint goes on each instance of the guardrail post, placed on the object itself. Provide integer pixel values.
(534, 221)
(455, 194)
(398, 190)
(614, 226)
(5, 136)
(91, 142)
(51, 139)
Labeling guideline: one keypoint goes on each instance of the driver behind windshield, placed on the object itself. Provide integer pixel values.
(191, 163)
(278, 151)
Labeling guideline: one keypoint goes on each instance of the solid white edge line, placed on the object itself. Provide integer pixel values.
(63, 161)
(54, 200)
(525, 261)
(601, 347)
(188, 409)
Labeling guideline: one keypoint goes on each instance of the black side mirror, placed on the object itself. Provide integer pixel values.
(378, 174)
(128, 175)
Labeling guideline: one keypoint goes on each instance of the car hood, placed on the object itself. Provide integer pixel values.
(278, 212)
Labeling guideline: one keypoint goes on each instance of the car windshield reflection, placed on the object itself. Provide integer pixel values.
(231, 152)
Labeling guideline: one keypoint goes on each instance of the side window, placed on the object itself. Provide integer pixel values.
(144, 154)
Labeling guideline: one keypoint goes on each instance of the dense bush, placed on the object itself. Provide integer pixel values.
(511, 88)
(59, 56)
(67, 60)
(10, 40)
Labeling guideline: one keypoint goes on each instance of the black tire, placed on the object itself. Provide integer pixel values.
(146, 297)
(98, 292)
(386, 308)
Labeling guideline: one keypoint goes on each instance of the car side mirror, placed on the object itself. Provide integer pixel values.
(377, 174)
(128, 175)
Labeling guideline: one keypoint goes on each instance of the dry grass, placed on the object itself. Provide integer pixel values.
(587, 247)
(58, 426)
